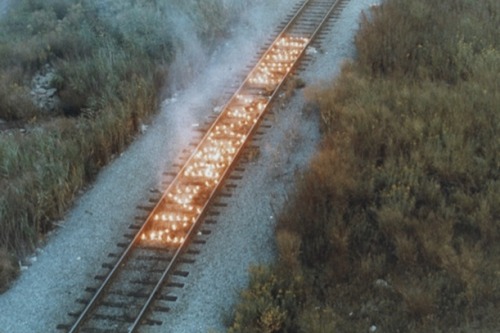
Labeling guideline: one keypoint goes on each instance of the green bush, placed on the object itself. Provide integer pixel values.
(212, 19)
(110, 60)
(268, 304)
(15, 100)
(428, 38)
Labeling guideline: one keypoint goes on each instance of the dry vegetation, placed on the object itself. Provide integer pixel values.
(110, 60)
(396, 224)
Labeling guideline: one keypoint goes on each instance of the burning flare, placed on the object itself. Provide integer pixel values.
(187, 196)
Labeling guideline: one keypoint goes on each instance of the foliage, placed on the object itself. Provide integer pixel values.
(110, 59)
(8, 269)
(270, 300)
(212, 19)
(396, 222)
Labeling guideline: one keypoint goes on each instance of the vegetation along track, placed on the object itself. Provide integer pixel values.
(137, 284)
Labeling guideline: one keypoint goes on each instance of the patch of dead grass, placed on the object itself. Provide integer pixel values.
(8, 269)
(396, 220)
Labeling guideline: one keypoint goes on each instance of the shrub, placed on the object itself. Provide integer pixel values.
(396, 219)
(8, 269)
(15, 100)
(212, 18)
(110, 62)
(270, 302)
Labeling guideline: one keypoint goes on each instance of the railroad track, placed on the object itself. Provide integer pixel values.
(136, 284)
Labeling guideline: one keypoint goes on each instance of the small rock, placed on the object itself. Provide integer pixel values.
(51, 92)
(373, 328)
(311, 50)
(41, 91)
(381, 283)
(170, 101)
(49, 77)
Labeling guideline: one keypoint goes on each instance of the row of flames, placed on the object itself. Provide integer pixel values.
(187, 196)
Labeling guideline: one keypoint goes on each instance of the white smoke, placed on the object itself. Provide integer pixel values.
(190, 55)
(4, 6)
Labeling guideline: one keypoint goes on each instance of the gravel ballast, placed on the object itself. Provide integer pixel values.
(243, 234)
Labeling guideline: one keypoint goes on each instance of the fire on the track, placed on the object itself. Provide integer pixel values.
(190, 192)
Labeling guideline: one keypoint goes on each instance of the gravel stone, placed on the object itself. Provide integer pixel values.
(243, 234)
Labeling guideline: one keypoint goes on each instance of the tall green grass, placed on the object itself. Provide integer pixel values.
(110, 77)
(396, 222)
(111, 60)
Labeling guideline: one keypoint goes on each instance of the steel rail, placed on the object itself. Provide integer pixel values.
(129, 249)
(181, 248)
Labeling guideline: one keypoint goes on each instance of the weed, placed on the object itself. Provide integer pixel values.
(418, 299)
(396, 219)
(289, 247)
(8, 269)
(110, 62)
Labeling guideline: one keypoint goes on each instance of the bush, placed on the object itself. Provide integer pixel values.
(15, 100)
(110, 60)
(396, 223)
(8, 269)
(269, 304)
(212, 19)
(429, 39)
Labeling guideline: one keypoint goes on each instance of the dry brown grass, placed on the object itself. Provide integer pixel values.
(397, 217)
(289, 250)
(8, 269)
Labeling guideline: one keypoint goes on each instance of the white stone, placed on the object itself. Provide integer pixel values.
(51, 92)
(311, 50)
(381, 283)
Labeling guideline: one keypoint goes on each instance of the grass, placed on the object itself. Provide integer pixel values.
(8, 269)
(110, 60)
(212, 18)
(395, 224)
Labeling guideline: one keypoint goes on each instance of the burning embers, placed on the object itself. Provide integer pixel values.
(278, 62)
(177, 211)
(188, 195)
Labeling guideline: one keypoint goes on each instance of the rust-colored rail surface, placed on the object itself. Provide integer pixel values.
(132, 285)
(191, 191)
